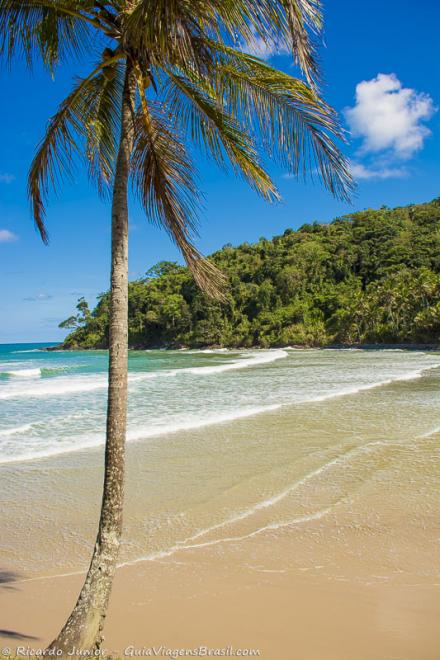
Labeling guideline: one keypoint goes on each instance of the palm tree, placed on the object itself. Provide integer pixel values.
(170, 73)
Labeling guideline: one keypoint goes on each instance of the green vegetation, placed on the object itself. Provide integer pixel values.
(370, 277)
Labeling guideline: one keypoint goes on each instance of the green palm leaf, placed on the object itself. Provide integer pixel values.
(102, 123)
(292, 122)
(210, 125)
(164, 179)
(177, 31)
(83, 113)
(53, 29)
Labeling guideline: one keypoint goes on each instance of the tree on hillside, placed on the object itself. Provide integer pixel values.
(82, 317)
(171, 73)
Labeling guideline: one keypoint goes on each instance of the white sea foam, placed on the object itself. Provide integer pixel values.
(76, 384)
(65, 385)
(188, 425)
(430, 433)
(313, 381)
(56, 387)
(40, 445)
(278, 497)
(15, 430)
(29, 350)
(254, 360)
(411, 375)
(186, 545)
(42, 424)
(23, 373)
(212, 350)
(97, 439)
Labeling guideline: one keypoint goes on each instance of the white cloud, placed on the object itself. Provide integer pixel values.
(360, 171)
(5, 177)
(388, 117)
(38, 297)
(7, 236)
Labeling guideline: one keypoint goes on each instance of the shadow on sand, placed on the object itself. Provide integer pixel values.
(7, 579)
(13, 634)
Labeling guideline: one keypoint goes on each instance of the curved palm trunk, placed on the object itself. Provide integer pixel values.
(83, 629)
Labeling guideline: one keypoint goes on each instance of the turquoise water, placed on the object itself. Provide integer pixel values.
(55, 402)
(338, 450)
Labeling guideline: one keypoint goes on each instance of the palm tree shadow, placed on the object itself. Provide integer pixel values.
(7, 578)
(13, 634)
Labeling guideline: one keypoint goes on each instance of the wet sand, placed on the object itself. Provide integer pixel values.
(311, 532)
(196, 600)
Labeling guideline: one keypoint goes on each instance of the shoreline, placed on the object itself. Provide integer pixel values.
(225, 420)
(365, 347)
(252, 533)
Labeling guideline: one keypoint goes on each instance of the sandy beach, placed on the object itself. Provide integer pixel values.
(197, 600)
(309, 531)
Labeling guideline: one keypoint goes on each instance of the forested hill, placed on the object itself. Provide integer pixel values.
(369, 277)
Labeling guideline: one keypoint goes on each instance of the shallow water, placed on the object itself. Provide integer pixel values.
(55, 402)
(340, 450)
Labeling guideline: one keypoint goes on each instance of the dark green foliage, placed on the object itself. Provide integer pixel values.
(371, 277)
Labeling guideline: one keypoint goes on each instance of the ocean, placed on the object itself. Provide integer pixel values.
(55, 402)
(226, 447)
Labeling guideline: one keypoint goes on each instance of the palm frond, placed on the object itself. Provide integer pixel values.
(80, 114)
(210, 125)
(163, 176)
(163, 28)
(177, 31)
(102, 123)
(295, 24)
(294, 124)
(303, 14)
(52, 29)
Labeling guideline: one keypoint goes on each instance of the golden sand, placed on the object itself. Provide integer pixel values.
(196, 600)
(309, 534)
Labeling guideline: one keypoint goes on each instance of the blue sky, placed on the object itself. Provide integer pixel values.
(394, 147)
